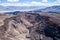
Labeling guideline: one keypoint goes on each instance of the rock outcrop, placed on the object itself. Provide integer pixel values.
(29, 27)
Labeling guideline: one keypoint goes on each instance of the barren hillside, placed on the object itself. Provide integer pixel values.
(28, 26)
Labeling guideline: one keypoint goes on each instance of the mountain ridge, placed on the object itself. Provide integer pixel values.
(27, 26)
(51, 9)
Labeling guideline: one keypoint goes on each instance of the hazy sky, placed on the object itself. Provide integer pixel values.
(29, 2)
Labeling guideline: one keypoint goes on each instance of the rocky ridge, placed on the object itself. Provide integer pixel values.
(29, 27)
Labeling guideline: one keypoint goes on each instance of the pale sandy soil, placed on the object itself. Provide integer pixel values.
(2, 18)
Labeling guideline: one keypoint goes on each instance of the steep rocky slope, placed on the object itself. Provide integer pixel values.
(30, 27)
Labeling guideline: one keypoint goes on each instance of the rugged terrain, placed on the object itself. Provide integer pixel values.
(31, 26)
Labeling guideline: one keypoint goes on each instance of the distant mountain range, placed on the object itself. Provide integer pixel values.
(52, 9)
(5, 8)
(36, 8)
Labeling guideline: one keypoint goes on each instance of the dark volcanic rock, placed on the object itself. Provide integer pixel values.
(29, 27)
